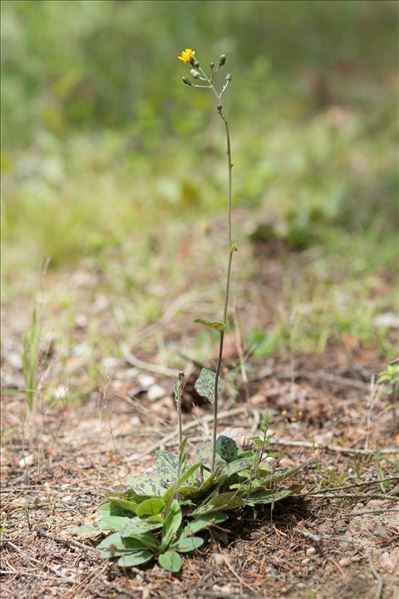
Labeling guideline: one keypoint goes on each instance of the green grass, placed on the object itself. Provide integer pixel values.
(114, 175)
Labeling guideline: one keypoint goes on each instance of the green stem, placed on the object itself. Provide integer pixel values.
(230, 259)
(228, 279)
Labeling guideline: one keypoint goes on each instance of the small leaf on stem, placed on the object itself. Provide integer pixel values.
(217, 326)
(205, 384)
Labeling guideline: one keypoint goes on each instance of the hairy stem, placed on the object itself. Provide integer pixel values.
(228, 279)
(230, 259)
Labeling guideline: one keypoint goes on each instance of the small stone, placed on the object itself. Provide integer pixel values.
(26, 461)
(60, 392)
(257, 399)
(389, 561)
(311, 551)
(376, 504)
(156, 392)
(305, 561)
(81, 321)
(345, 561)
(218, 558)
(67, 498)
(145, 380)
(110, 362)
(287, 462)
(226, 589)
(380, 531)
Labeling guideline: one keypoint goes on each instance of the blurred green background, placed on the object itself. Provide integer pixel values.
(105, 152)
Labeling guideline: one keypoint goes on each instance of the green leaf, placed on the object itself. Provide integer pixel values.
(92, 529)
(188, 491)
(172, 524)
(216, 326)
(205, 384)
(115, 546)
(120, 506)
(273, 454)
(113, 540)
(135, 559)
(188, 476)
(188, 544)
(245, 473)
(156, 517)
(227, 448)
(114, 522)
(235, 467)
(269, 497)
(259, 442)
(144, 540)
(264, 419)
(104, 509)
(150, 507)
(279, 476)
(170, 560)
(147, 486)
(167, 466)
(136, 526)
(201, 522)
(224, 501)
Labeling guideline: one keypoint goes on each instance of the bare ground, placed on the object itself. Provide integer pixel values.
(59, 464)
(346, 545)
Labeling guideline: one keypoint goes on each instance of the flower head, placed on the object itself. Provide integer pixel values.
(187, 56)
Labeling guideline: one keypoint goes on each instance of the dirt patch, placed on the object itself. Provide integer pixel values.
(321, 547)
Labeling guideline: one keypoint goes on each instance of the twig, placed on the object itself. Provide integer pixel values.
(329, 377)
(334, 448)
(156, 368)
(65, 542)
(187, 427)
(309, 535)
(220, 595)
(87, 581)
(240, 580)
(26, 556)
(351, 496)
(367, 512)
(29, 574)
(336, 564)
(378, 578)
(362, 484)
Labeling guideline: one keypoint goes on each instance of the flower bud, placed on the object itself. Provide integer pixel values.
(228, 77)
(220, 108)
(222, 60)
(186, 80)
(194, 74)
(195, 63)
(212, 65)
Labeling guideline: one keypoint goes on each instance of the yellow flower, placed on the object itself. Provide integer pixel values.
(187, 56)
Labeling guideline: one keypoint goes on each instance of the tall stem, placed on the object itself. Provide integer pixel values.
(231, 250)
(228, 279)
